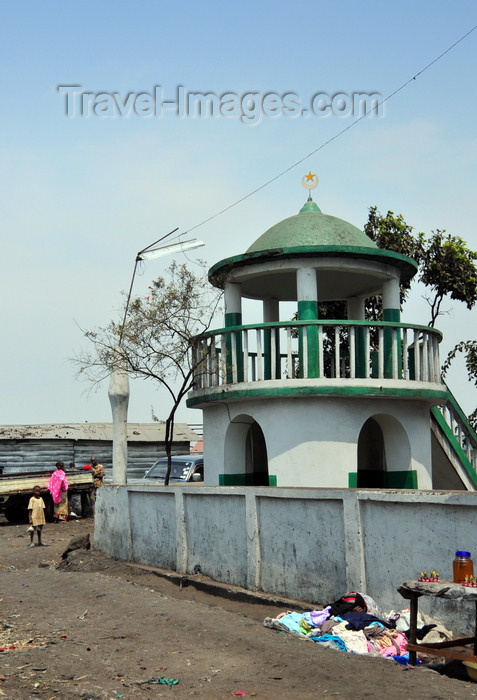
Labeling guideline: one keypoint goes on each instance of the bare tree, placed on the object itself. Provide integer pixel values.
(156, 339)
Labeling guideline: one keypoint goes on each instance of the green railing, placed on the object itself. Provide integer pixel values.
(458, 431)
(317, 349)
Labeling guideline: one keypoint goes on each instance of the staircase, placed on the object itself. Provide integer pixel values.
(454, 447)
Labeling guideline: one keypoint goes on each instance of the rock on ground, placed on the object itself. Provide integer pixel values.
(79, 541)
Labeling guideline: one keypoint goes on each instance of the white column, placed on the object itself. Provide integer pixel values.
(391, 294)
(233, 301)
(307, 288)
(355, 309)
(270, 310)
(119, 399)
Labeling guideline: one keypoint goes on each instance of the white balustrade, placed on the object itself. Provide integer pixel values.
(328, 350)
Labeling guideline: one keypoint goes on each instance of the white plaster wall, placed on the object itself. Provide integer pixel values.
(313, 441)
(215, 422)
(309, 544)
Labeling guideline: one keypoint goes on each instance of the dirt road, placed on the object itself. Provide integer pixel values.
(99, 628)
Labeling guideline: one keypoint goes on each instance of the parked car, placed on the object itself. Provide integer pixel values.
(183, 468)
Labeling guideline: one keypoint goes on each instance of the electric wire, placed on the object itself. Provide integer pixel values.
(332, 138)
(283, 172)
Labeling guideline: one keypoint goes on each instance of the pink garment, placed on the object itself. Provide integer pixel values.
(398, 648)
(57, 483)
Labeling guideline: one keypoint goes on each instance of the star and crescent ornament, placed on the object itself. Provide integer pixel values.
(309, 181)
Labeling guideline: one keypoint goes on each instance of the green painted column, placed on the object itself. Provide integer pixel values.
(233, 317)
(392, 313)
(307, 295)
(271, 314)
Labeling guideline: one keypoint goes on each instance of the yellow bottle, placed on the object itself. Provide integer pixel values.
(463, 566)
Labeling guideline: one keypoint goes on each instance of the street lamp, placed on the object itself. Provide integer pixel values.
(118, 391)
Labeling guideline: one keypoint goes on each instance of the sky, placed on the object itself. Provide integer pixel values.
(80, 195)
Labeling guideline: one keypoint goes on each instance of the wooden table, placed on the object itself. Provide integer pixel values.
(447, 590)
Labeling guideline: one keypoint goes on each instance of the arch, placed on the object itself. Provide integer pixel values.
(245, 454)
(384, 454)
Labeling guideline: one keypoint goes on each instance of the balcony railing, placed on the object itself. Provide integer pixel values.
(317, 349)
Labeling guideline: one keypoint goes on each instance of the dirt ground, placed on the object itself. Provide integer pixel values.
(99, 628)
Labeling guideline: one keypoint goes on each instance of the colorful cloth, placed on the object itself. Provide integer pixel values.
(360, 620)
(355, 641)
(57, 483)
(37, 507)
(348, 602)
(397, 644)
(315, 618)
(61, 509)
(292, 622)
(330, 640)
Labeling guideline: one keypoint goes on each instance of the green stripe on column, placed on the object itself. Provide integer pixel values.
(233, 319)
(308, 311)
(394, 316)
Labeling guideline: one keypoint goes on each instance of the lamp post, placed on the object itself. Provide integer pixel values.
(118, 391)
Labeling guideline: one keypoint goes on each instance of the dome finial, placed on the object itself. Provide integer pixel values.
(309, 182)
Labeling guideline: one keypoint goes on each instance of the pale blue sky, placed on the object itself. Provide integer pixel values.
(79, 197)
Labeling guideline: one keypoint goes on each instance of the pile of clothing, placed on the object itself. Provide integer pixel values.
(353, 623)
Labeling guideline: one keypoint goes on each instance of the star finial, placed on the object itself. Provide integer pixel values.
(309, 181)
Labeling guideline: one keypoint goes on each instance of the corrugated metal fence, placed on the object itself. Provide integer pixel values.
(41, 455)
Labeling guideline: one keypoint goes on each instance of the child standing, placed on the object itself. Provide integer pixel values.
(36, 515)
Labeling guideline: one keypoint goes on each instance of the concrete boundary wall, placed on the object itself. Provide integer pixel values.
(304, 543)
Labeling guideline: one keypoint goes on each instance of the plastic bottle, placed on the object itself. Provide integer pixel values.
(463, 566)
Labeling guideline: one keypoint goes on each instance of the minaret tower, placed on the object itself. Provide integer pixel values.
(317, 402)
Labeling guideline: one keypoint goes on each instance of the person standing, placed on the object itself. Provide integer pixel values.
(98, 473)
(58, 487)
(98, 477)
(36, 515)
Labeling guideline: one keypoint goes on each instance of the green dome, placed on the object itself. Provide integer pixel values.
(311, 228)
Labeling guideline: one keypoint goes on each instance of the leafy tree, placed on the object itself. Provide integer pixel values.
(392, 233)
(448, 268)
(156, 339)
(446, 265)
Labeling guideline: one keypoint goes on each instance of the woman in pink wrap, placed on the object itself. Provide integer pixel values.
(58, 487)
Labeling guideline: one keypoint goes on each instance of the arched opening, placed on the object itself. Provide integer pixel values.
(384, 455)
(245, 457)
(256, 459)
(371, 456)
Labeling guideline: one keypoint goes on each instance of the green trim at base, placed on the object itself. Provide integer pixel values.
(389, 480)
(244, 480)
